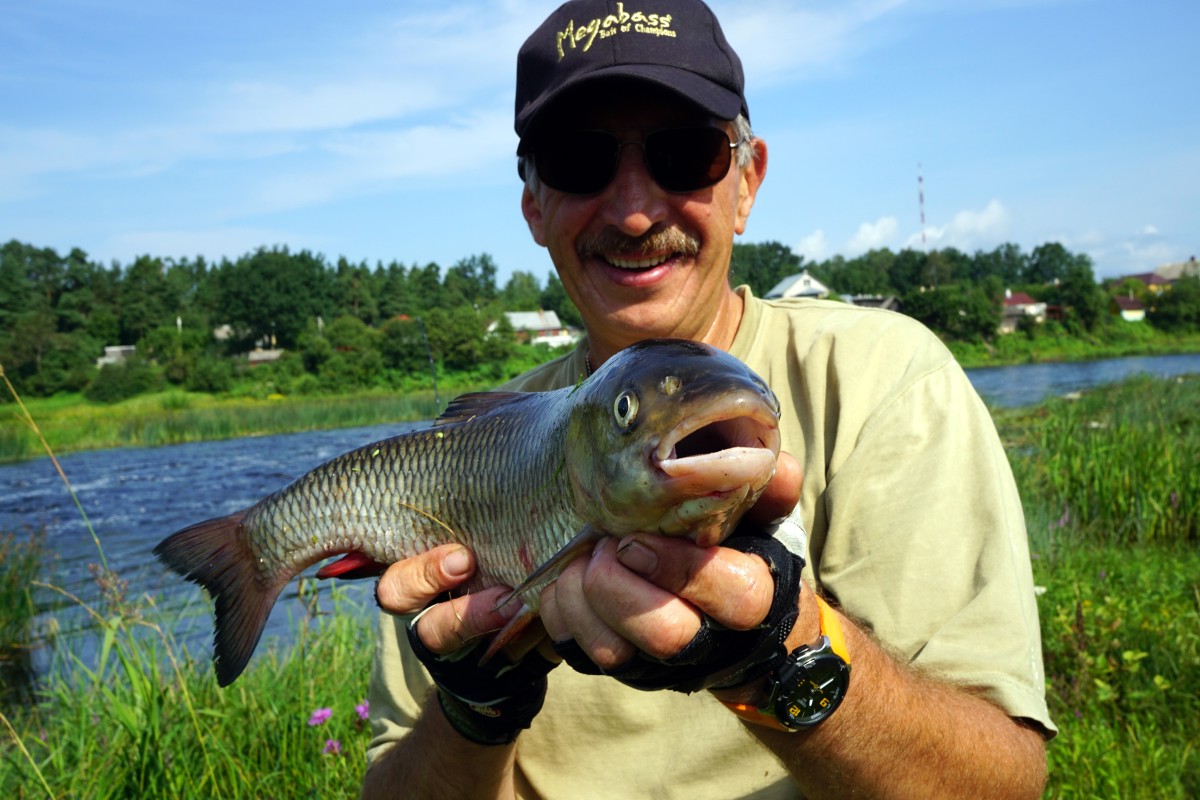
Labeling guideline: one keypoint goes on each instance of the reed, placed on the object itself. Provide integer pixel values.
(1119, 465)
(176, 417)
(19, 563)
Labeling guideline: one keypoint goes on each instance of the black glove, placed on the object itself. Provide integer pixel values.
(486, 703)
(717, 657)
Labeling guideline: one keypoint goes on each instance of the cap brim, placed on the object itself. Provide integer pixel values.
(713, 98)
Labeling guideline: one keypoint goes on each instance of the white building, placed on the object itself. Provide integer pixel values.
(539, 327)
(801, 285)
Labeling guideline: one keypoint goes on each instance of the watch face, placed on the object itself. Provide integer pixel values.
(814, 690)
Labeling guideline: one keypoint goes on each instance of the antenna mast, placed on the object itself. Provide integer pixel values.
(921, 201)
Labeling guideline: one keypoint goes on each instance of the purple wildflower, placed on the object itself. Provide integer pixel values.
(364, 710)
(320, 716)
(332, 747)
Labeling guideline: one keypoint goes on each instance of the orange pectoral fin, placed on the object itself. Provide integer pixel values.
(352, 566)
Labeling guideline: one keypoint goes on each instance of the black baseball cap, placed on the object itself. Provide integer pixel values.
(675, 44)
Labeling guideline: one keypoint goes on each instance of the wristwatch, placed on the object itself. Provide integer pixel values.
(809, 685)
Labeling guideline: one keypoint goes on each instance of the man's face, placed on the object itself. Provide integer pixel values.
(640, 261)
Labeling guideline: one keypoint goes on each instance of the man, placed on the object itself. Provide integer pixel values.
(640, 168)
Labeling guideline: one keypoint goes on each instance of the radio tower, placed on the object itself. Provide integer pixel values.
(921, 201)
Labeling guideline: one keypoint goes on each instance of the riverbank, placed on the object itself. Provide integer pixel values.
(71, 423)
(1052, 344)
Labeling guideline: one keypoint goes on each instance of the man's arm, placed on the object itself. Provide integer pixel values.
(897, 734)
(433, 760)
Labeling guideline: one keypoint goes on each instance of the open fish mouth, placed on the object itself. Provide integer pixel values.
(723, 447)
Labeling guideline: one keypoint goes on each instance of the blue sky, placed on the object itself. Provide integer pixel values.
(383, 131)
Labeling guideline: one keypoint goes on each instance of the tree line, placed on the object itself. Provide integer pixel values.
(350, 325)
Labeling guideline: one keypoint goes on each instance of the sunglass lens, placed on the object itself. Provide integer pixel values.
(688, 159)
(578, 162)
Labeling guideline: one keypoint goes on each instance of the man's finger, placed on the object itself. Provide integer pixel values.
(450, 626)
(409, 585)
(733, 588)
(782, 494)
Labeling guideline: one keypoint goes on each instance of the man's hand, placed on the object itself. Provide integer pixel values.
(651, 593)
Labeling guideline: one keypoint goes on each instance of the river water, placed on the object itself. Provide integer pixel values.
(134, 497)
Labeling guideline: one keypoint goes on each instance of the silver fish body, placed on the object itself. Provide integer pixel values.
(667, 436)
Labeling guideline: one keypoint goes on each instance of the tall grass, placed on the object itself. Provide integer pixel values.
(1118, 465)
(177, 417)
(147, 720)
(19, 562)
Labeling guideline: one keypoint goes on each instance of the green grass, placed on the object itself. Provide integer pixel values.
(1052, 343)
(1119, 465)
(149, 721)
(174, 417)
(19, 562)
(1120, 619)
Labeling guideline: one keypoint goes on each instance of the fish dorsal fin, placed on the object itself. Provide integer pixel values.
(474, 404)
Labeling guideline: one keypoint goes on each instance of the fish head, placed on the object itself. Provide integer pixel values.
(673, 437)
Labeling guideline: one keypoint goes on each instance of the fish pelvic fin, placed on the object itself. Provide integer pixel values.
(583, 541)
(215, 555)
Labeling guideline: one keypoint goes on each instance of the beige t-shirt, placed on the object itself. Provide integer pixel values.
(915, 528)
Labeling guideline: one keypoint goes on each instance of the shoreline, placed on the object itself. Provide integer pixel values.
(71, 424)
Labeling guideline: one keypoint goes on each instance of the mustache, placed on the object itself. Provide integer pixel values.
(611, 240)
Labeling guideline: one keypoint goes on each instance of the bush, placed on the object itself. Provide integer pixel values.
(116, 382)
(214, 375)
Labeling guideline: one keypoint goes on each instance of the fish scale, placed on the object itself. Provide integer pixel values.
(527, 481)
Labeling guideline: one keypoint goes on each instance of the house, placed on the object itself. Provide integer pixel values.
(1152, 280)
(889, 302)
(116, 354)
(1129, 309)
(1180, 269)
(539, 327)
(801, 285)
(1019, 306)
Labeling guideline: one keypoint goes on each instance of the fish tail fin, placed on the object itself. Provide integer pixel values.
(215, 555)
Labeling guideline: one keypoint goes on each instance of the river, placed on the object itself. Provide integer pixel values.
(133, 497)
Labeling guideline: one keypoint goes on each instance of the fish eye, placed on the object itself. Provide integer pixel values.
(625, 409)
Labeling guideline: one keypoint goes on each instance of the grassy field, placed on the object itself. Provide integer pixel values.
(1110, 489)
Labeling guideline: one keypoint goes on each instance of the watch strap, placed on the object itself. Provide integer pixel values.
(831, 628)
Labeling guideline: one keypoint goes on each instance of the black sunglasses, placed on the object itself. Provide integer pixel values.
(679, 159)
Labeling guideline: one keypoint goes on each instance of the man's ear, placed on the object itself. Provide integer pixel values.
(531, 208)
(752, 178)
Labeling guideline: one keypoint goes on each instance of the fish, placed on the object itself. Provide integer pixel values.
(668, 436)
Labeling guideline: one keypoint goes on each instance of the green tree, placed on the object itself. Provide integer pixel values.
(522, 292)
(1179, 308)
(555, 298)
(1049, 262)
(1076, 291)
(355, 292)
(471, 282)
(964, 313)
(762, 266)
(355, 360)
(273, 295)
(147, 300)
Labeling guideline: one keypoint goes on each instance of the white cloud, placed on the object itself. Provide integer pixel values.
(813, 247)
(872, 236)
(776, 40)
(969, 230)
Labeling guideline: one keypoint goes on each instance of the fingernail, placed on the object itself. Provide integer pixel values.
(457, 563)
(637, 557)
